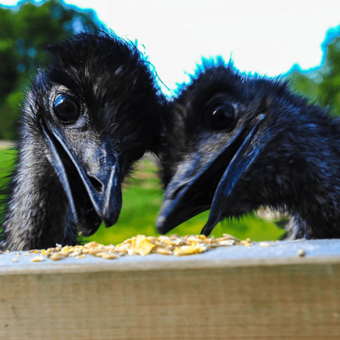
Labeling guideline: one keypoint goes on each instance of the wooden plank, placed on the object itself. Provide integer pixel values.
(191, 298)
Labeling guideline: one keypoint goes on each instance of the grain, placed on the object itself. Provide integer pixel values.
(140, 245)
(57, 257)
(163, 251)
(109, 256)
(301, 252)
(37, 259)
(188, 250)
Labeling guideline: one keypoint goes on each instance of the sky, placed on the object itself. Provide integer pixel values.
(261, 36)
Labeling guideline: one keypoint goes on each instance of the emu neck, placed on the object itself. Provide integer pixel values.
(37, 213)
(307, 183)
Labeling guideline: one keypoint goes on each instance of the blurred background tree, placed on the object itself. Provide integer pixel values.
(321, 84)
(25, 31)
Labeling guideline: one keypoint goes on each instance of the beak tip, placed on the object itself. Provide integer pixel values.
(162, 225)
(160, 220)
(109, 222)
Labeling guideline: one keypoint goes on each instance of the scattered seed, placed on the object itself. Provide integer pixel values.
(75, 253)
(246, 243)
(230, 237)
(109, 256)
(227, 243)
(57, 257)
(301, 252)
(142, 245)
(163, 251)
(188, 250)
(99, 254)
(95, 251)
(92, 245)
(37, 259)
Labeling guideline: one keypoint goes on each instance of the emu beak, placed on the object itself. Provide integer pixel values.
(237, 167)
(98, 169)
(102, 182)
(188, 195)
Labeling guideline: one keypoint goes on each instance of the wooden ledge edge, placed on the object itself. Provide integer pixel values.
(149, 265)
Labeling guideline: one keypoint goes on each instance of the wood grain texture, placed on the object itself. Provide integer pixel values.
(298, 299)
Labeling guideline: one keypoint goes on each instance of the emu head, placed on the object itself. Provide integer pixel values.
(237, 142)
(94, 111)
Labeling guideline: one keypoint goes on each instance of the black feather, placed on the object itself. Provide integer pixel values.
(290, 161)
(65, 162)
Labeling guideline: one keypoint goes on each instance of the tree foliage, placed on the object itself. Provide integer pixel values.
(322, 85)
(25, 31)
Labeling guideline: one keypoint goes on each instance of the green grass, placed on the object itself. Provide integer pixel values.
(7, 159)
(142, 198)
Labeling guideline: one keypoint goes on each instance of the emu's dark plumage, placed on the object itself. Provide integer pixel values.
(86, 119)
(237, 142)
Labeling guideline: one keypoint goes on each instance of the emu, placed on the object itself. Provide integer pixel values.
(238, 142)
(86, 119)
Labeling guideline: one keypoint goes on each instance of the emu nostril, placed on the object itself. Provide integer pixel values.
(96, 183)
(178, 190)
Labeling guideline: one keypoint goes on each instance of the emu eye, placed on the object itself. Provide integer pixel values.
(221, 117)
(66, 108)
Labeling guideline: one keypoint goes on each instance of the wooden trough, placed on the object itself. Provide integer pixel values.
(227, 293)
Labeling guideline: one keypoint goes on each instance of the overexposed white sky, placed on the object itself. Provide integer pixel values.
(263, 36)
